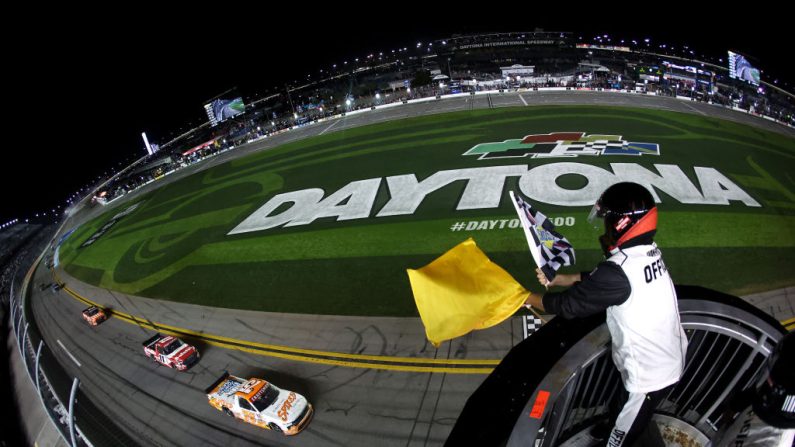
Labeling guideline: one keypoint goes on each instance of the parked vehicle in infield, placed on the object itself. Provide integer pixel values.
(171, 351)
(94, 315)
(260, 403)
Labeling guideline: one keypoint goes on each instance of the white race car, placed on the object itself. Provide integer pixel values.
(260, 403)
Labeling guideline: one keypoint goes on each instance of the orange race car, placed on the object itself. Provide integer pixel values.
(94, 315)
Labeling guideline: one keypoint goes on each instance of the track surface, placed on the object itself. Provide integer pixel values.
(354, 405)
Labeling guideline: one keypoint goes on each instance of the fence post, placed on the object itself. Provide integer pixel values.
(11, 305)
(72, 396)
(22, 346)
(18, 327)
(36, 371)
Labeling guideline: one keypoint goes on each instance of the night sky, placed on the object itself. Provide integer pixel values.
(83, 84)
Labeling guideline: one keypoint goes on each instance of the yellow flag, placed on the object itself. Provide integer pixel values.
(463, 290)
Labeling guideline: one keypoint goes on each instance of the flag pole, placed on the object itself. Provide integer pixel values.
(538, 315)
(529, 233)
(535, 313)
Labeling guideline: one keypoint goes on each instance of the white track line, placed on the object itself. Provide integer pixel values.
(69, 354)
(523, 101)
(329, 127)
(694, 109)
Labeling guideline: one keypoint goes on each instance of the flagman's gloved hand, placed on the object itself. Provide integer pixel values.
(542, 278)
(560, 280)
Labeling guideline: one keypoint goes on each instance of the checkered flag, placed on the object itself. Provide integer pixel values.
(549, 248)
(530, 324)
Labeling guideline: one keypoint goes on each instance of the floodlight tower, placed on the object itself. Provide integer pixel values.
(146, 143)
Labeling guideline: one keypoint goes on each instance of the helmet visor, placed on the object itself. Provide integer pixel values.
(595, 216)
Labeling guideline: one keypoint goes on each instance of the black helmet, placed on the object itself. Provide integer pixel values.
(774, 402)
(622, 206)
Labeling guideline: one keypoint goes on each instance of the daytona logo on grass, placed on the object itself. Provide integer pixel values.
(484, 190)
(333, 221)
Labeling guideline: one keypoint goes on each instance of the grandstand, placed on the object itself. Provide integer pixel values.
(14, 237)
(466, 64)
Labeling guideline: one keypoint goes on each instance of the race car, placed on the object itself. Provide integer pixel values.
(171, 352)
(260, 403)
(94, 315)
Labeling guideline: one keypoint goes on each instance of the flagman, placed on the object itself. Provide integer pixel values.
(634, 288)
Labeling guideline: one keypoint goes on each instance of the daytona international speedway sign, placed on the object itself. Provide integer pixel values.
(485, 185)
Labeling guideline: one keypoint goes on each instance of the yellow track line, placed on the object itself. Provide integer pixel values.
(307, 355)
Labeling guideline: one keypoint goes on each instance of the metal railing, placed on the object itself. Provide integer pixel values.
(79, 422)
(31, 351)
(574, 378)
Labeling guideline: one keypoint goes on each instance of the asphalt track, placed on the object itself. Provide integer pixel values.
(373, 381)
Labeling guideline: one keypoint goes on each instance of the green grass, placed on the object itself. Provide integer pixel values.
(176, 245)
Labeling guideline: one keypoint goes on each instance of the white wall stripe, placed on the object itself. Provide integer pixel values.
(69, 354)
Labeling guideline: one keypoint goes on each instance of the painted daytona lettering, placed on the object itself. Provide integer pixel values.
(485, 189)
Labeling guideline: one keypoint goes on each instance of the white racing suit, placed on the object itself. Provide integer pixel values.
(648, 344)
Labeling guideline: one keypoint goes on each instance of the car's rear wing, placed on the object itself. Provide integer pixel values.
(216, 383)
(154, 338)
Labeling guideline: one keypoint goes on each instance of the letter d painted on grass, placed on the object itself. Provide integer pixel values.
(262, 219)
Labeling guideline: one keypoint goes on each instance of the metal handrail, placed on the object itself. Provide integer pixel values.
(52, 403)
(559, 381)
(728, 348)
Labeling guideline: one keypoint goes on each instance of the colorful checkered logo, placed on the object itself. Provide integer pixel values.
(563, 145)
